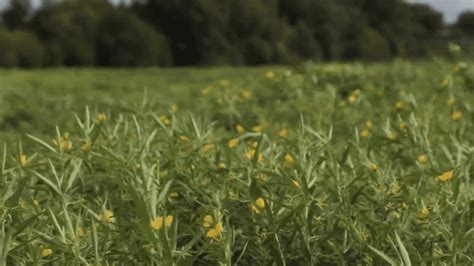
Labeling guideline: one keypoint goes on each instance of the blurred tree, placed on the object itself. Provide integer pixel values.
(90, 32)
(429, 20)
(304, 43)
(16, 14)
(20, 49)
(174, 19)
(125, 40)
(7, 51)
(68, 30)
(465, 23)
(28, 49)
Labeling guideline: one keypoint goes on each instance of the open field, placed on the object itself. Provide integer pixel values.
(317, 165)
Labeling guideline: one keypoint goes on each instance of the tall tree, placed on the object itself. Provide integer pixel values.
(465, 23)
(16, 14)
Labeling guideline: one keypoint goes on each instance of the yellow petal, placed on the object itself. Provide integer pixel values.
(169, 220)
(157, 223)
(219, 228)
(446, 176)
(365, 133)
(212, 233)
(260, 203)
(46, 252)
(283, 133)
(233, 143)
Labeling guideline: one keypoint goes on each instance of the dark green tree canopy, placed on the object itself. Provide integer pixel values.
(210, 32)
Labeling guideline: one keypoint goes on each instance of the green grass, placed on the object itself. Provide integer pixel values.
(321, 164)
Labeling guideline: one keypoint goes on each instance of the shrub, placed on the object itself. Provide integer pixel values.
(20, 49)
(7, 55)
(28, 49)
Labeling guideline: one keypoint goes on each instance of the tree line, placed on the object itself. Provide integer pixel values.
(216, 32)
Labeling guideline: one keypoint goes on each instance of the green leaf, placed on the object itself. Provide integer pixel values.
(383, 256)
(403, 251)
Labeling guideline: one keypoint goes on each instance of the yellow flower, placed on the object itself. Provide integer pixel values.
(403, 125)
(283, 133)
(399, 105)
(165, 120)
(456, 115)
(107, 216)
(424, 213)
(157, 223)
(369, 124)
(161, 221)
(87, 145)
(445, 82)
(451, 101)
(260, 203)
(365, 133)
(422, 158)
(352, 98)
(224, 83)
(207, 90)
(394, 187)
(174, 108)
(246, 94)
(22, 159)
(270, 75)
(216, 231)
(80, 232)
(374, 167)
(392, 135)
(221, 165)
(207, 147)
(63, 143)
(168, 220)
(251, 153)
(240, 129)
(395, 215)
(183, 138)
(212, 233)
(101, 117)
(289, 160)
(258, 129)
(219, 228)
(446, 176)
(233, 143)
(207, 221)
(262, 177)
(255, 209)
(46, 252)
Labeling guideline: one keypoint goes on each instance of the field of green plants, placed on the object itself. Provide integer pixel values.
(320, 164)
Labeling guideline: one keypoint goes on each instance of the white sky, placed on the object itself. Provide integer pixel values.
(450, 8)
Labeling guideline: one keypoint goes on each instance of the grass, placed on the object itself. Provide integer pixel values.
(318, 165)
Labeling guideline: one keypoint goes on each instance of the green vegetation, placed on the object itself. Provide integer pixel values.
(222, 32)
(320, 164)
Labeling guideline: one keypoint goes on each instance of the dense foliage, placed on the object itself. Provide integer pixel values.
(318, 165)
(209, 32)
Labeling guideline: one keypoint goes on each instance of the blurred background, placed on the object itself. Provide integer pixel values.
(124, 33)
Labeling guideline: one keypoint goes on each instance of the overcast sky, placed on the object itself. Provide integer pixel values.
(450, 8)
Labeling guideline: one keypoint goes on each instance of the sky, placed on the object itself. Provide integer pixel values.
(450, 8)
